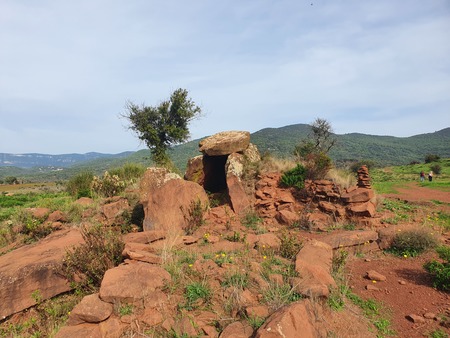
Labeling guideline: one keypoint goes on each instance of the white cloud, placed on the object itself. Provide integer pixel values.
(67, 68)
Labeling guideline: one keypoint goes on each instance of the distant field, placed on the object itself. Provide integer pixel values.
(29, 187)
(386, 180)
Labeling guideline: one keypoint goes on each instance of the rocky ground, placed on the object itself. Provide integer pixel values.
(408, 287)
(256, 280)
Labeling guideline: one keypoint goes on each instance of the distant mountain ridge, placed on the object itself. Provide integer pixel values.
(279, 142)
(31, 160)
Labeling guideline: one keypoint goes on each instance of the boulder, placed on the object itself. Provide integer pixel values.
(164, 209)
(57, 216)
(39, 213)
(238, 198)
(237, 330)
(33, 270)
(313, 263)
(91, 309)
(294, 320)
(144, 237)
(130, 283)
(115, 209)
(82, 330)
(358, 195)
(195, 170)
(288, 217)
(225, 143)
(111, 328)
(251, 153)
(366, 209)
(154, 178)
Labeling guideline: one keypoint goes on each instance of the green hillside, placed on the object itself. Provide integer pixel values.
(279, 142)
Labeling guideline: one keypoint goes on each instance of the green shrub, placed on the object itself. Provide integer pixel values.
(438, 333)
(80, 185)
(196, 292)
(431, 158)
(294, 177)
(440, 270)
(290, 245)
(108, 185)
(412, 242)
(32, 227)
(101, 251)
(251, 220)
(129, 172)
(193, 215)
(436, 168)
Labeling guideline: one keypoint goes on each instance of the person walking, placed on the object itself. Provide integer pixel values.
(422, 176)
(430, 176)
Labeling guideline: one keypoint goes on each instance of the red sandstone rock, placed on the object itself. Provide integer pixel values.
(195, 170)
(313, 263)
(237, 330)
(287, 217)
(91, 309)
(362, 210)
(358, 195)
(376, 276)
(132, 282)
(225, 143)
(33, 268)
(82, 330)
(57, 216)
(172, 198)
(115, 209)
(295, 320)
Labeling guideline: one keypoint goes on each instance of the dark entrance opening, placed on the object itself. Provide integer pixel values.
(214, 170)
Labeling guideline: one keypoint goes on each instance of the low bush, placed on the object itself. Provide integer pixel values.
(196, 294)
(294, 177)
(80, 185)
(290, 245)
(440, 270)
(436, 168)
(101, 251)
(108, 185)
(412, 242)
(193, 215)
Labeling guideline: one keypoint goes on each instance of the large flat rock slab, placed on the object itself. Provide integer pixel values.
(225, 143)
(130, 283)
(31, 272)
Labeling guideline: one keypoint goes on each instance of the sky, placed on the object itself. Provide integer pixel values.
(68, 68)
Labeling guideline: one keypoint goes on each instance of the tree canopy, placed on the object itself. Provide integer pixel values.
(164, 125)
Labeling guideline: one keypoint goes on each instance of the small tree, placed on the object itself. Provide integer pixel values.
(431, 158)
(165, 125)
(313, 151)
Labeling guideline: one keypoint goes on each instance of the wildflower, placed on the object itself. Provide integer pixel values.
(190, 265)
(223, 255)
(264, 257)
(406, 256)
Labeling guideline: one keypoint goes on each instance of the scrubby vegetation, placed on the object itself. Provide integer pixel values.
(86, 264)
(190, 269)
(441, 270)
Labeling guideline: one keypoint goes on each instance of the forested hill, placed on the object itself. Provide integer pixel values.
(279, 142)
(385, 150)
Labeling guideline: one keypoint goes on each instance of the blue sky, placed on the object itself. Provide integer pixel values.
(67, 68)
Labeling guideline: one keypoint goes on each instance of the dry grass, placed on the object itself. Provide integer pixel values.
(341, 178)
(273, 164)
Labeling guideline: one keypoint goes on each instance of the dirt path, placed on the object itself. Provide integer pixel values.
(413, 192)
(408, 287)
